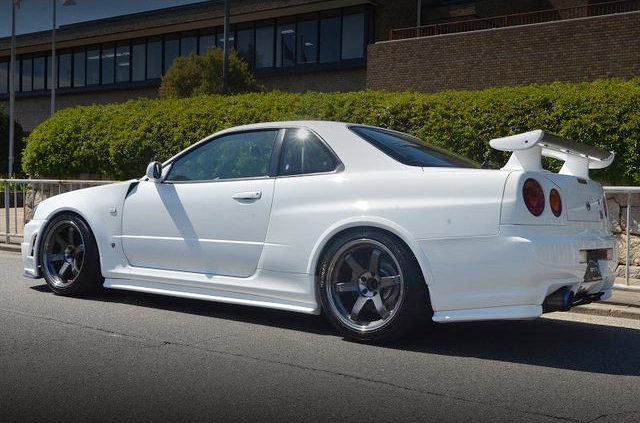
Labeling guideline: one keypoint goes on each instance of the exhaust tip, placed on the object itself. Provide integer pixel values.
(560, 300)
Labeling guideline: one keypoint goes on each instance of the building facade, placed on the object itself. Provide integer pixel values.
(290, 45)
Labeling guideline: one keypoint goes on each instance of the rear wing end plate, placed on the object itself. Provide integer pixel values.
(529, 147)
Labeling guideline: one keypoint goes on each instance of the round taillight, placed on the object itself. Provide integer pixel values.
(555, 202)
(533, 196)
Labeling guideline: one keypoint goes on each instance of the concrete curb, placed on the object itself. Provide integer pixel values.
(611, 310)
(10, 247)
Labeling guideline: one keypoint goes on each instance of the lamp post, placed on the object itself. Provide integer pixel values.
(12, 90)
(54, 66)
(225, 59)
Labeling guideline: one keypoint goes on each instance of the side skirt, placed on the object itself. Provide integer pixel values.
(183, 291)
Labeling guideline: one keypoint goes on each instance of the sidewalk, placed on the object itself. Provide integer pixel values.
(622, 303)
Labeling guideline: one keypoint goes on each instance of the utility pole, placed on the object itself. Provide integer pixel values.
(54, 66)
(12, 92)
(225, 60)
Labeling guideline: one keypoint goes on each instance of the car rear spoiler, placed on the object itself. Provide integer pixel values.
(529, 147)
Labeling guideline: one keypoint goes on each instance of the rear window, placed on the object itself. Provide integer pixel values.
(410, 150)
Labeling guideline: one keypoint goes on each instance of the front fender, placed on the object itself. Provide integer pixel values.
(101, 207)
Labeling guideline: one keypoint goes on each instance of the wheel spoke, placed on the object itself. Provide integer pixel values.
(347, 286)
(70, 235)
(56, 257)
(389, 281)
(357, 307)
(354, 265)
(80, 248)
(374, 261)
(64, 269)
(75, 269)
(380, 308)
(58, 240)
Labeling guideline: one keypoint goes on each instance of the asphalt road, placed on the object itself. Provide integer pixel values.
(127, 357)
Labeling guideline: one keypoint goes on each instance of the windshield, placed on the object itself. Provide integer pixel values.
(410, 150)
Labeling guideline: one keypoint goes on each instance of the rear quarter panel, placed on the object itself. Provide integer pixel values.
(412, 202)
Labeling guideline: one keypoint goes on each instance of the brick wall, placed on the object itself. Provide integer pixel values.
(390, 15)
(337, 80)
(572, 51)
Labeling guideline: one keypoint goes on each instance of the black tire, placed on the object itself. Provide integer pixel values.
(69, 256)
(371, 287)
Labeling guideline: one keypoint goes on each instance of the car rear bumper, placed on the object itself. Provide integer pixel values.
(510, 274)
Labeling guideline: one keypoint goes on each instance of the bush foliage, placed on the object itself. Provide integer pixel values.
(4, 146)
(117, 141)
(197, 75)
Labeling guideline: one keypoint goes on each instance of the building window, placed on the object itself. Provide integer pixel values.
(27, 69)
(330, 29)
(326, 37)
(93, 67)
(108, 64)
(154, 58)
(285, 45)
(4, 77)
(307, 40)
(244, 45)
(39, 73)
(171, 51)
(49, 72)
(220, 39)
(264, 47)
(79, 63)
(138, 60)
(64, 70)
(207, 40)
(353, 36)
(188, 44)
(123, 62)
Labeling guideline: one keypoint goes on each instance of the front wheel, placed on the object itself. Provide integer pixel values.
(371, 287)
(69, 256)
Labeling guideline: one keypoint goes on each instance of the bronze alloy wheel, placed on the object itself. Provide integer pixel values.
(370, 286)
(69, 256)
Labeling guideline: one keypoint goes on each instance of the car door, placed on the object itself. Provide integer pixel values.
(211, 212)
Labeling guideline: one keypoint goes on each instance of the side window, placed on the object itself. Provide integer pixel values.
(240, 155)
(303, 152)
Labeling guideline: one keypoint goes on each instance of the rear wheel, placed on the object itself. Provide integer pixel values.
(69, 256)
(370, 286)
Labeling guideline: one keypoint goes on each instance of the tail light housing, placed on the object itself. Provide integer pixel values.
(533, 196)
(555, 202)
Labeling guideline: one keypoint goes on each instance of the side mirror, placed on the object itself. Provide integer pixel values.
(154, 172)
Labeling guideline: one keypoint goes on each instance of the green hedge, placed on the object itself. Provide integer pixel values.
(117, 141)
(4, 146)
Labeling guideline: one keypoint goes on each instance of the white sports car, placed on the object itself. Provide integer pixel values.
(371, 226)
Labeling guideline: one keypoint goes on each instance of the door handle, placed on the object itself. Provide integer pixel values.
(248, 195)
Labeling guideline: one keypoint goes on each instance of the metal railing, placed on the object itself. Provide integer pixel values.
(551, 15)
(19, 196)
(629, 191)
